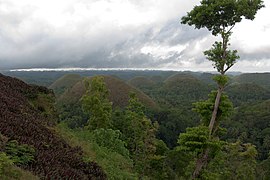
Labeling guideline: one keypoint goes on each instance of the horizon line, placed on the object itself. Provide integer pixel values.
(105, 69)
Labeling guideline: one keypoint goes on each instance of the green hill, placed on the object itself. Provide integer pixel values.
(184, 88)
(262, 79)
(246, 93)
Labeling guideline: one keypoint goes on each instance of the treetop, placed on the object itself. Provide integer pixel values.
(219, 16)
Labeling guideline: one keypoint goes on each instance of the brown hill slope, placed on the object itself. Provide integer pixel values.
(64, 82)
(22, 119)
(118, 93)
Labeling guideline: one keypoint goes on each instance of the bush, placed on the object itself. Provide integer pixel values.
(19, 154)
(110, 139)
(6, 167)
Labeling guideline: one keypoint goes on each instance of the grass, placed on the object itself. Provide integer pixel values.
(115, 165)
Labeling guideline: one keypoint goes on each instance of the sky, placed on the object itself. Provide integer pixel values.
(120, 34)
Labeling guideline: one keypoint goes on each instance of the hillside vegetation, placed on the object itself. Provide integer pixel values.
(66, 137)
(30, 132)
(261, 79)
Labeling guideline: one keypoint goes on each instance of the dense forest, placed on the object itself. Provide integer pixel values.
(142, 124)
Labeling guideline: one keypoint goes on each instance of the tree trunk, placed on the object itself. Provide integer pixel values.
(214, 114)
(200, 163)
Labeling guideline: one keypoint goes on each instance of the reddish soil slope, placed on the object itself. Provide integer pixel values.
(21, 121)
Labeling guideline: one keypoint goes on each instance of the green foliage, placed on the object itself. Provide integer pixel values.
(111, 139)
(138, 132)
(261, 79)
(235, 161)
(250, 123)
(244, 93)
(221, 79)
(95, 103)
(263, 169)
(158, 167)
(135, 105)
(205, 108)
(44, 104)
(180, 163)
(196, 140)
(219, 17)
(217, 14)
(19, 154)
(114, 164)
(5, 163)
(72, 115)
(220, 56)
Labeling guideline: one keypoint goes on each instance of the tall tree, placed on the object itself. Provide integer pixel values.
(139, 134)
(220, 17)
(96, 104)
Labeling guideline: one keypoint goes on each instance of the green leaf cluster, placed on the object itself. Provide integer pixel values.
(221, 56)
(19, 154)
(196, 140)
(96, 104)
(234, 161)
(217, 14)
(5, 164)
(110, 139)
(205, 108)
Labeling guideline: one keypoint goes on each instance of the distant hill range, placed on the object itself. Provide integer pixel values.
(27, 116)
(261, 79)
(185, 88)
(155, 83)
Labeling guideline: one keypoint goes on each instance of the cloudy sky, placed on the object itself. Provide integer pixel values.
(119, 34)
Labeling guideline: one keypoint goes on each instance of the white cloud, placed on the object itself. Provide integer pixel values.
(117, 33)
(162, 51)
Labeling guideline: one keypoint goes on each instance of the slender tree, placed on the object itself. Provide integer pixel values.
(95, 103)
(219, 17)
(140, 136)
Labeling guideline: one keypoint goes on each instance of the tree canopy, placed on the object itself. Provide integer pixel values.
(218, 16)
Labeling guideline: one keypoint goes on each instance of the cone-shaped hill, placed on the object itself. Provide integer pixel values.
(184, 89)
(64, 83)
(185, 83)
(141, 81)
(262, 79)
(246, 92)
(118, 93)
(26, 114)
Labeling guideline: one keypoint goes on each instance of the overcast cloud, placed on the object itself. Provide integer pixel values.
(119, 34)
